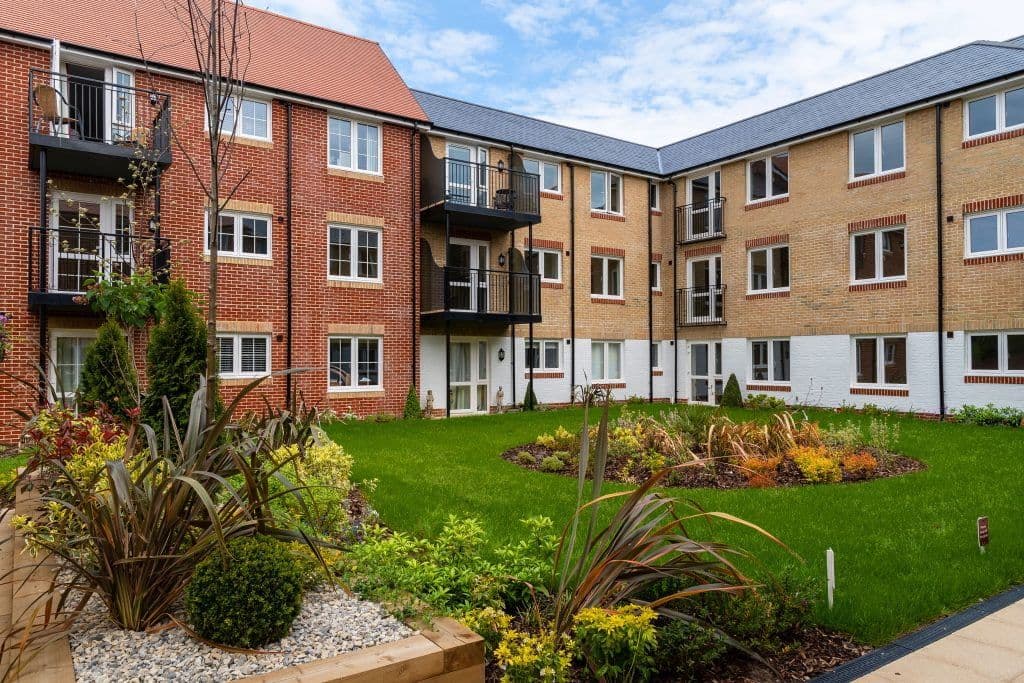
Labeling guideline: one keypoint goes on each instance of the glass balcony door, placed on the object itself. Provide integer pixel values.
(704, 218)
(468, 285)
(704, 276)
(89, 237)
(468, 377)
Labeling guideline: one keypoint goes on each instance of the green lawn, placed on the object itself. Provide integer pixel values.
(905, 547)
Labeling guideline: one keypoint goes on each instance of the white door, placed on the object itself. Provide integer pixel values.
(705, 372)
(482, 189)
(468, 376)
(705, 217)
(468, 285)
(705, 296)
(121, 104)
(90, 237)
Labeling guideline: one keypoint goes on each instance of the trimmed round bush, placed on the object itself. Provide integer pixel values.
(250, 600)
(552, 463)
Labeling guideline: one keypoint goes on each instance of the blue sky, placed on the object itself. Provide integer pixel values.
(653, 72)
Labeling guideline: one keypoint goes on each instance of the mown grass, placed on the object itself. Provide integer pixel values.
(905, 547)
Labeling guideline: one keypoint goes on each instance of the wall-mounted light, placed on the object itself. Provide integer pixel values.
(501, 165)
(501, 355)
(153, 224)
(501, 260)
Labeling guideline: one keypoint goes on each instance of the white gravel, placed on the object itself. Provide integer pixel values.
(331, 623)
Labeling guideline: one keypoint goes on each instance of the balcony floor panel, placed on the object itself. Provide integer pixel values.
(86, 157)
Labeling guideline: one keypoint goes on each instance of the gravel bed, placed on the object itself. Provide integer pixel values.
(331, 623)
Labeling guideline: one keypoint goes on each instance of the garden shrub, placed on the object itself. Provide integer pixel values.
(731, 396)
(847, 436)
(618, 644)
(764, 402)
(412, 410)
(320, 473)
(528, 657)
(552, 463)
(489, 623)
(108, 373)
(860, 465)
(989, 415)
(530, 399)
(525, 458)
(687, 650)
(816, 464)
(883, 435)
(249, 598)
(761, 472)
(560, 440)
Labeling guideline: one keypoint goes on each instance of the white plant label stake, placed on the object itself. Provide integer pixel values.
(982, 533)
(830, 575)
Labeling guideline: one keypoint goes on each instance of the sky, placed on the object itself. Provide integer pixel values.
(652, 72)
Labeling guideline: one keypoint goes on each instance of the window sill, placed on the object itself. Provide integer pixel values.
(236, 381)
(264, 261)
(619, 301)
(355, 175)
(655, 212)
(877, 284)
(994, 379)
(262, 143)
(992, 137)
(875, 179)
(354, 284)
(355, 392)
(784, 388)
(657, 292)
(545, 374)
(762, 203)
(771, 294)
(880, 391)
(606, 216)
(994, 258)
(657, 372)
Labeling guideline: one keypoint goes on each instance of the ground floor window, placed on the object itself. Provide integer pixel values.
(243, 355)
(605, 361)
(544, 355)
(655, 356)
(880, 360)
(996, 352)
(354, 362)
(68, 354)
(769, 360)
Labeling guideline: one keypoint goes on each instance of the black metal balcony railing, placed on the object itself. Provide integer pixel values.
(700, 305)
(700, 221)
(62, 260)
(76, 108)
(491, 187)
(482, 292)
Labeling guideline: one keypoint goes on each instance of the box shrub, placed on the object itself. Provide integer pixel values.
(525, 458)
(412, 410)
(687, 650)
(552, 463)
(618, 644)
(248, 598)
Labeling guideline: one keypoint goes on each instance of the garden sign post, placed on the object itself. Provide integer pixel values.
(830, 574)
(982, 534)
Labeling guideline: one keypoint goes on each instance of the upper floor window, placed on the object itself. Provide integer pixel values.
(547, 262)
(243, 355)
(241, 235)
(994, 113)
(656, 275)
(769, 269)
(880, 360)
(544, 355)
(877, 150)
(550, 174)
(996, 232)
(605, 192)
(768, 178)
(655, 192)
(996, 352)
(353, 253)
(353, 145)
(879, 255)
(606, 276)
(253, 118)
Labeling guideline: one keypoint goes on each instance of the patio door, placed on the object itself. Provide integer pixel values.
(89, 237)
(466, 175)
(101, 100)
(705, 372)
(703, 277)
(705, 218)
(468, 284)
(121, 105)
(468, 376)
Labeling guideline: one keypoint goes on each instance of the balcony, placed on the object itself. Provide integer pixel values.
(700, 221)
(62, 260)
(700, 306)
(472, 194)
(479, 295)
(96, 128)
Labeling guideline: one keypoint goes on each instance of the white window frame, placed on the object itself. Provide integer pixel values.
(237, 130)
(877, 130)
(767, 158)
(608, 192)
(879, 340)
(655, 275)
(353, 130)
(237, 251)
(655, 192)
(655, 359)
(354, 261)
(604, 269)
(1002, 353)
(771, 277)
(770, 341)
(236, 354)
(1002, 233)
(58, 393)
(622, 360)
(541, 345)
(1001, 126)
(540, 263)
(541, 163)
(353, 340)
(879, 256)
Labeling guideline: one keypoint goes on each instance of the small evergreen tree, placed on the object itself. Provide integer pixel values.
(731, 397)
(175, 359)
(530, 400)
(412, 404)
(108, 373)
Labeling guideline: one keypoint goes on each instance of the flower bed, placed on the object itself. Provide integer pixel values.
(708, 450)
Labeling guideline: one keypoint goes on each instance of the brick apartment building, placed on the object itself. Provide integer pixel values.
(861, 246)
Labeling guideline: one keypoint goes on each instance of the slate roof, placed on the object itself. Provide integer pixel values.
(947, 72)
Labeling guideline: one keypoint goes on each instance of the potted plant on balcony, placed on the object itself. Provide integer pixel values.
(5, 335)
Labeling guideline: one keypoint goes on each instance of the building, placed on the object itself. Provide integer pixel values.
(865, 245)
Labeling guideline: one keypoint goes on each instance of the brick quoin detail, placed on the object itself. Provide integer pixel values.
(607, 216)
(656, 257)
(994, 379)
(544, 375)
(608, 251)
(871, 286)
(872, 223)
(766, 241)
(877, 179)
(992, 204)
(611, 385)
(766, 203)
(768, 295)
(769, 387)
(552, 285)
(543, 244)
(702, 251)
(995, 258)
(996, 137)
(602, 300)
(868, 391)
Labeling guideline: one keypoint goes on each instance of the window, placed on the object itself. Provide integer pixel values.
(655, 191)
(550, 174)
(879, 255)
(769, 360)
(605, 361)
(655, 356)
(877, 150)
(544, 355)
(606, 276)
(769, 269)
(547, 262)
(242, 235)
(995, 113)
(353, 253)
(254, 121)
(340, 136)
(354, 363)
(605, 192)
(996, 352)
(768, 178)
(68, 353)
(880, 360)
(243, 355)
(999, 232)
(656, 275)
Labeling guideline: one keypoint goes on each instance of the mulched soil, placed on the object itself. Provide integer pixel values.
(725, 475)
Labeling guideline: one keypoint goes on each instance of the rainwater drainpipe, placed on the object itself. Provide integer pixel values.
(650, 297)
(675, 296)
(289, 321)
(414, 220)
(940, 276)
(572, 283)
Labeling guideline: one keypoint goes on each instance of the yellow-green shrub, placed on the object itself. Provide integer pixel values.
(325, 469)
(816, 463)
(560, 440)
(490, 623)
(618, 644)
(528, 657)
